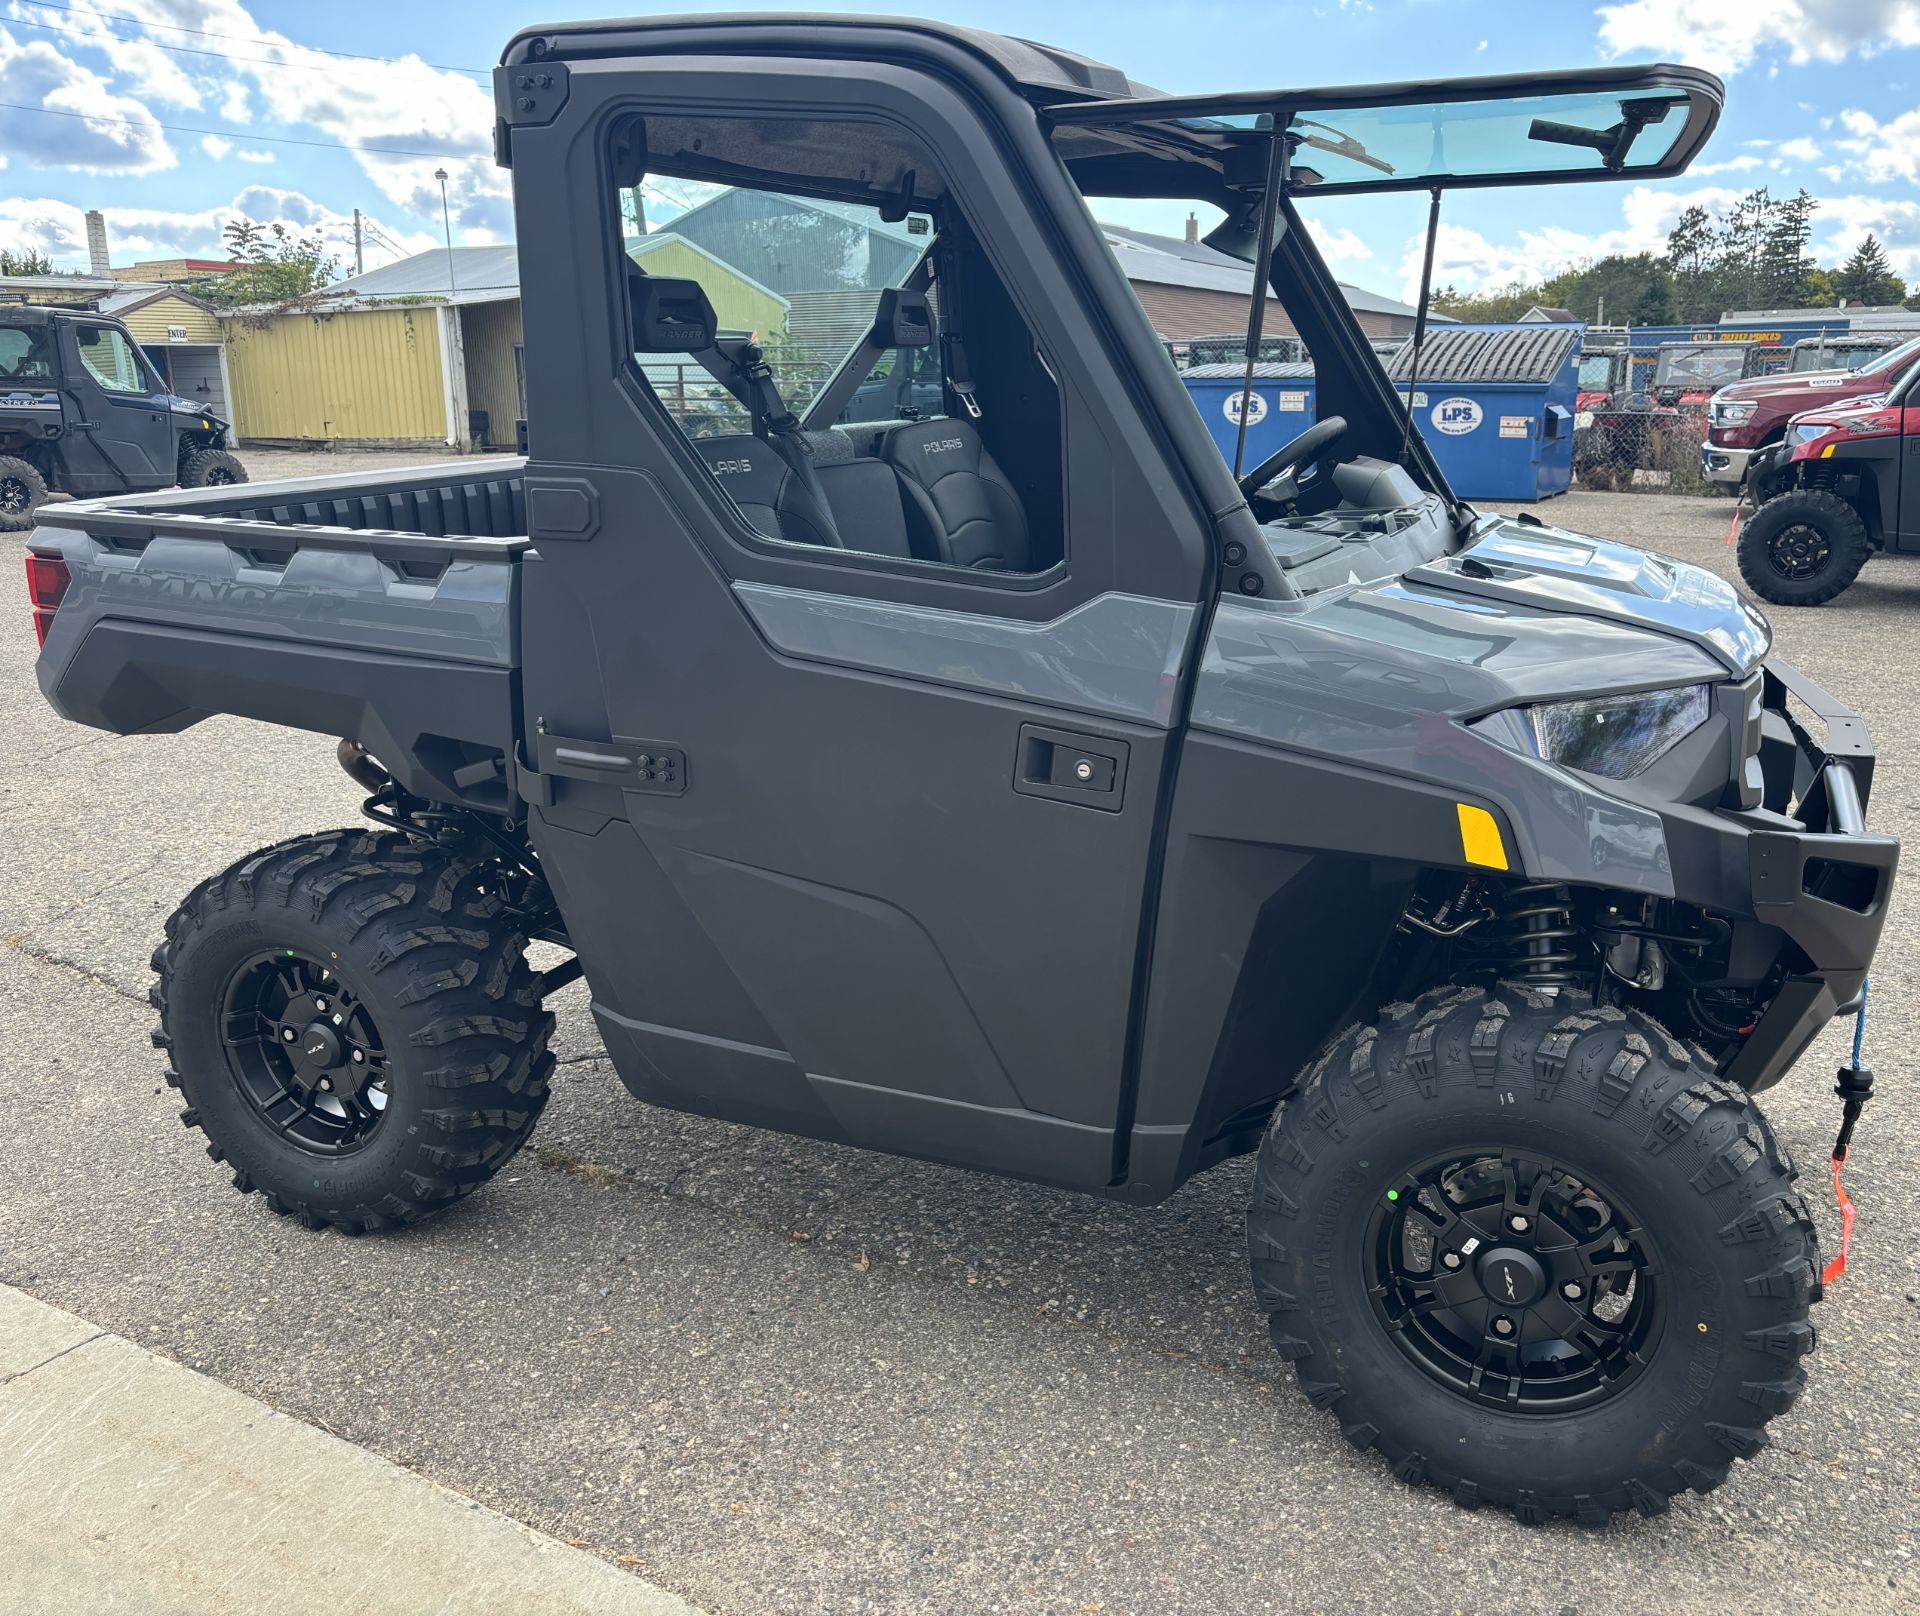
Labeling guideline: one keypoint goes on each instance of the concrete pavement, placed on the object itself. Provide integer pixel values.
(129, 1483)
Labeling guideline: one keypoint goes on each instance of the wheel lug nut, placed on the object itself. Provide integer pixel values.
(320, 1005)
(288, 1034)
(1503, 1325)
(1450, 1259)
(1519, 1223)
(1573, 1290)
(327, 1084)
(359, 1054)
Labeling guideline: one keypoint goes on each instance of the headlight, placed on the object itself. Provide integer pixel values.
(1731, 414)
(1807, 431)
(1617, 736)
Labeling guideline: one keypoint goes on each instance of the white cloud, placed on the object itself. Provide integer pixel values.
(92, 128)
(1726, 35)
(400, 103)
(59, 228)
(1881, 153)
(1742, 164)
(215, 146)
(248, 155)
(1468, 259)
(1471, 260)
(1800, 150)
(1337, 245)
(150, 72)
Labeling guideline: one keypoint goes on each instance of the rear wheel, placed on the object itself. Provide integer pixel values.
(211, 468)
(1803, 547)
(22, 492)
(1534, 1253)
(353, 1026)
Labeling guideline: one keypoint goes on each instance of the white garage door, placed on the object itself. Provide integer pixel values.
(194, 373)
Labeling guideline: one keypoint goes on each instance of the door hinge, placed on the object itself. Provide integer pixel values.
(632, 765)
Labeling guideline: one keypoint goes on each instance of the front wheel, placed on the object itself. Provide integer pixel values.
(1803, 547)
(22, 492)
(1535, 1253)
(211, 468)
(353, 1026)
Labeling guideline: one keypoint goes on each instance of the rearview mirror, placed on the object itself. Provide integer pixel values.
(668, 315)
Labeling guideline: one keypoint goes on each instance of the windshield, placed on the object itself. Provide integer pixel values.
(1700, 367)
(1600, 124)
(1596, 372)
(1893, 359)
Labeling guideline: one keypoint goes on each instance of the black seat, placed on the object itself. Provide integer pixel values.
(770, 493)
(960, 506)
(864, 497)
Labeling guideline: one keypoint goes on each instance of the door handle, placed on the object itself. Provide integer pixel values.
(1067, 766)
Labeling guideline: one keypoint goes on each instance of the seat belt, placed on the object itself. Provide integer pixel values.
(953, 345)
(839, 391)
(740, 366)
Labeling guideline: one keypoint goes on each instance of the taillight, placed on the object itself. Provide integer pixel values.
(47, 580)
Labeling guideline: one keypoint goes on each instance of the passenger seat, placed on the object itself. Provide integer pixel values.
(768, 491)
(960, 506)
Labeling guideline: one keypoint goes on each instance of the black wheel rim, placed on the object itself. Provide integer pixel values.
(1514, 1281)
(16, 499)
(218, 476)
(304, 1052)
(1799, 551)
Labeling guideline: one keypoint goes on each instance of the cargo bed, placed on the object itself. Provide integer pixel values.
(378, 607)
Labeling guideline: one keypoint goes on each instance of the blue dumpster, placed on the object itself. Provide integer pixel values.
(1495, 404)
(1280, 407)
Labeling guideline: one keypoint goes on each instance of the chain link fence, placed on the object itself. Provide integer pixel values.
(1652, 450)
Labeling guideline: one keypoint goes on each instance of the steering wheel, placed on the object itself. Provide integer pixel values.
(1301, 451)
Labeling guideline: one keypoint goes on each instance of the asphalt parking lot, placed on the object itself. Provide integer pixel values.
(780, 1376)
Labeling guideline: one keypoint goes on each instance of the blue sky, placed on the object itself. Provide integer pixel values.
(1821, 93)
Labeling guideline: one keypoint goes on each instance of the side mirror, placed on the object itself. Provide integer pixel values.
(668, 315)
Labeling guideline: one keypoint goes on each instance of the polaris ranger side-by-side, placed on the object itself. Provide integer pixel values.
(1842, 485)
(1013, 784)
(82, 412)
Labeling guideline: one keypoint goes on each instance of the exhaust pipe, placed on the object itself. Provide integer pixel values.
(361, 768)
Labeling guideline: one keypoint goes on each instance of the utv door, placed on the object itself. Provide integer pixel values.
(119, 427)
(850, 841)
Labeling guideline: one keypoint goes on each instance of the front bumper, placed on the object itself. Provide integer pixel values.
(1803, 864)
(1721, 463)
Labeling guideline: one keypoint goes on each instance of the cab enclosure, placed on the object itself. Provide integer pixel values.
(82, 408)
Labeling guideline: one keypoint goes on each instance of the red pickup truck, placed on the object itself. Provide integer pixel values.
(1746, 416)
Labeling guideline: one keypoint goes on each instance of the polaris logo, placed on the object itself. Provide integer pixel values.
(942, 445)
(731, 468)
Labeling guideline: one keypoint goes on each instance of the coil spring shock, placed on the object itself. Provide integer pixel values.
(1538, 917)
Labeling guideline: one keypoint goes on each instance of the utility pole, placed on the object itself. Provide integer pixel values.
(359, 253)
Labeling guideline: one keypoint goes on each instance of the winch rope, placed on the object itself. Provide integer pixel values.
(1855, 1088)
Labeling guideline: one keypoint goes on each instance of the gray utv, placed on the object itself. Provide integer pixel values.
(82, 411)
(1007, 784)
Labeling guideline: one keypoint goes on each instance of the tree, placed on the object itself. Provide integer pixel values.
(1784, 263)
(1629, 289)
(1693, 258)
(1867, 277)
(26, 261)
(278, 267)
(1493, 306)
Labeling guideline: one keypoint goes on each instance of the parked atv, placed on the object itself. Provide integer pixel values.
(1842, 485)
(1014, 784)
(83, 412)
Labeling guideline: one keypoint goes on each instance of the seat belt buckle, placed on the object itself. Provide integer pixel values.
(968, 402)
